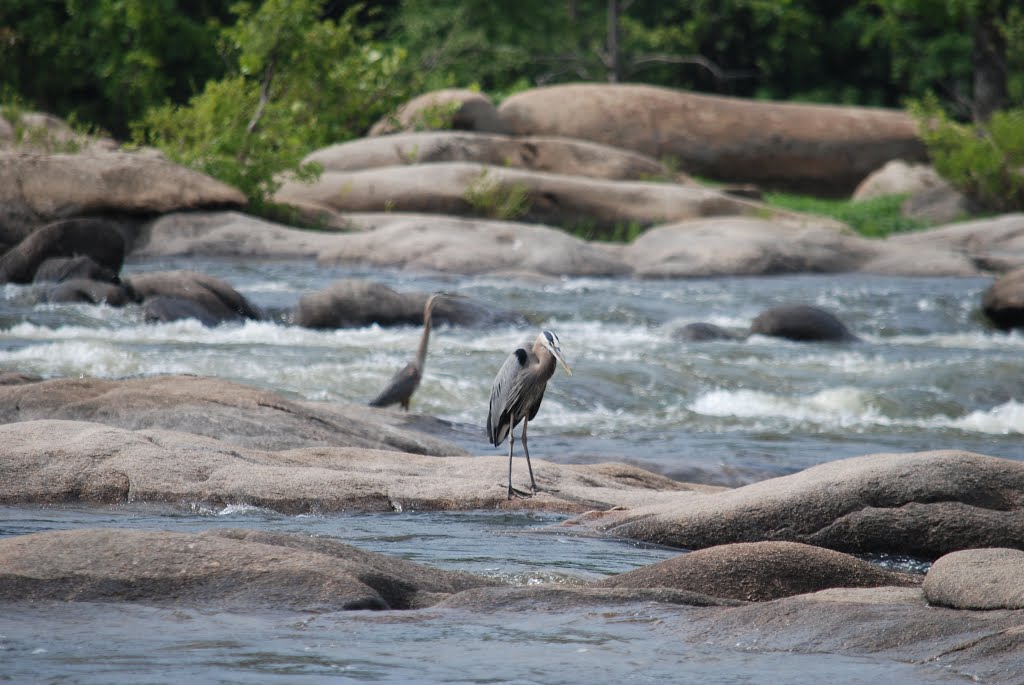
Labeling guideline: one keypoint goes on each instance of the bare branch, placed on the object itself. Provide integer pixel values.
(268, 79)
(699, 60)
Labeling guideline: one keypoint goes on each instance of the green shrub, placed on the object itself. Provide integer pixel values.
(491, 198)
(299, 83)
(876, 218)
(985, 161)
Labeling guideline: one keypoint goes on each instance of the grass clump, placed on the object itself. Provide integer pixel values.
(874, 218)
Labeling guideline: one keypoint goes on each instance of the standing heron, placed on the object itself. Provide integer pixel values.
(404, 383)
(517, 392)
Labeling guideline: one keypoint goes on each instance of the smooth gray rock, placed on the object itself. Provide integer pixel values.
(1003, 301)
(173, 295)
(57, 462)
(221, 568)
(801, 323)
(922, 504)
(356, 302)
(759, 571)
(212, 407)
(990, 578)
(97, 239)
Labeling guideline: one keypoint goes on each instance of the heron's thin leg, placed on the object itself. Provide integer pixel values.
(511, 440)
(533, 483)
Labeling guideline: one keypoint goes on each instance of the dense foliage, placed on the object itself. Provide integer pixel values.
(244, 89)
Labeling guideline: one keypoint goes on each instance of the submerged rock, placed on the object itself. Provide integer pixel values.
(801, 323)
(98, 240)
(703, 332)
(221, 568)
(181, 294)
(759, 571)
(1003, 301)
(356, 302)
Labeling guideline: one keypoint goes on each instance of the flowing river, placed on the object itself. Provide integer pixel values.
(928, 374)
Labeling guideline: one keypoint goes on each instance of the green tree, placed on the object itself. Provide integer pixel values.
(298, 82)
(106, 61)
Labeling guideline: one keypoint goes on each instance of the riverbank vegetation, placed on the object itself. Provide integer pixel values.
(244, 90)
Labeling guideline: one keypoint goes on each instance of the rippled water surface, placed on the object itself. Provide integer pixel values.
(928, 375)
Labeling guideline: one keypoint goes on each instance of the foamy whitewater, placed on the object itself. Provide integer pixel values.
(928, 375)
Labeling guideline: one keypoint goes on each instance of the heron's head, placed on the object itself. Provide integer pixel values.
(554, 345)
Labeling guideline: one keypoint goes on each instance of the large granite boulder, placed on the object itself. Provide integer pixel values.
(760, 571)
(538, 153)
(1003, 301)
(99, 240)
(801, 323)
(54, 462)
(226, 234)
(220, 568)
(182, 294)
(36, 189)
(217, 408)
(920, 504)
(466, 189)
(458, 108)
(817, 149)
(468, 246)
(992, 245)
(729, 246)
(356, 302)
(977, 579)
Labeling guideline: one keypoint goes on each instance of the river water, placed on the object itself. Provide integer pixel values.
(928, 374)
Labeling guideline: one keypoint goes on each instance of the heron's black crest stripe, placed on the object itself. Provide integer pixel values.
(551, 337)
(521, 356)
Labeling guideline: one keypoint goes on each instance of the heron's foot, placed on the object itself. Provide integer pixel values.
(537, 488)
(515, 492)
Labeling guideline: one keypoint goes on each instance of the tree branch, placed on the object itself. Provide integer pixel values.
(268, 78)
(699, 60)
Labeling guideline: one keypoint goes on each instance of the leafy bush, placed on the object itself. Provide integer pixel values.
(496, 200)
(983, 160)
(875, 218)
(299, 83)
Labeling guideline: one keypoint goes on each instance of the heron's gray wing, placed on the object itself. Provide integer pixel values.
(401, 387)
(503, 396)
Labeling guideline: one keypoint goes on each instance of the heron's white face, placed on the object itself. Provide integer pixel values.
(554, 346)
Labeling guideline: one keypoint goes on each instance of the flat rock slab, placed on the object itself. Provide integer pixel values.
(468, 246)
(226, 234)
(991, 578)
(232, 412)
(760, 571)
(923, 504)
(40, 188)
(875, 623)
(993, 245)
(550, 154)
(551, 597)
(818, 149)
(51, 461)
(233, 568)
(558, 199)
(726, 246)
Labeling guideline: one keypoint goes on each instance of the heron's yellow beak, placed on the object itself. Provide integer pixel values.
(564, 365)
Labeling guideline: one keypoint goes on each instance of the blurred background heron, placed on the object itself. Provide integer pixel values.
(517, 393)
(404, 383)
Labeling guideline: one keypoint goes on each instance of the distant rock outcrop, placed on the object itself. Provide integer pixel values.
(817, 149)
(458, 108)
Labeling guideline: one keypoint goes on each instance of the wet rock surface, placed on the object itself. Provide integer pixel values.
(977, 579)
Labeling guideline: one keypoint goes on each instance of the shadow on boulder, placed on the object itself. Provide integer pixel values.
(98, 240)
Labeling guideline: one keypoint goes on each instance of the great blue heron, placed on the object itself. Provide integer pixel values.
(404, 383)
(517, 392)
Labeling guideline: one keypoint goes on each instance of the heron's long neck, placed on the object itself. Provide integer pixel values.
(546, 366)
(421, 353)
